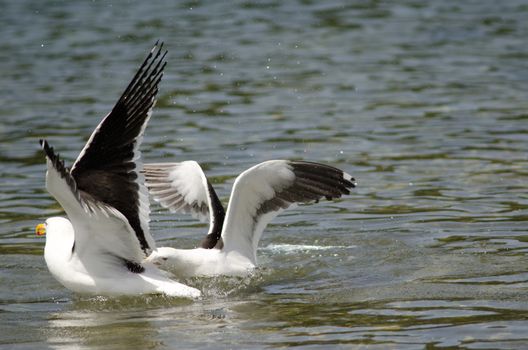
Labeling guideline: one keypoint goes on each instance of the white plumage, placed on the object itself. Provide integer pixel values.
(183, 189)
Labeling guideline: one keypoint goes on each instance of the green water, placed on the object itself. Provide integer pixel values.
(425, 103)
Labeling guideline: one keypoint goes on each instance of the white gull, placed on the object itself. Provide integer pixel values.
(259, 194)
(101, 247)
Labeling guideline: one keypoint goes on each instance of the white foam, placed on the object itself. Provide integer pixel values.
(291, 248)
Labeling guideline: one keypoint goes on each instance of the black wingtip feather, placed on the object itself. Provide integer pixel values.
(325, 180)
(109, 158)
(58, 164)
(313, 181)
(134, 267)
(147, 71)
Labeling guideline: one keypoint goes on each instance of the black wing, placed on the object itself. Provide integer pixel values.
(108, 168)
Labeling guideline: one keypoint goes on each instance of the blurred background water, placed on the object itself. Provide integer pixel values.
(425, 103)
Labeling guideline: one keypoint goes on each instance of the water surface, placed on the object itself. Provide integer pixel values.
(423, 102)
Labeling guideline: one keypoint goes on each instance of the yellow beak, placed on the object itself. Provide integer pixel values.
(40, 230)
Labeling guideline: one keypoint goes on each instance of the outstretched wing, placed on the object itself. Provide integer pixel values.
(109, 167)
(265, 190)
(92, 219)
(184, 188)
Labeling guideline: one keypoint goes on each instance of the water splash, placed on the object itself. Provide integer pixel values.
(294, 248)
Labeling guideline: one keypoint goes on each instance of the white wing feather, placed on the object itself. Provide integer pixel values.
(241, 231)
(99, 229)
(179, 187)
(262, 192)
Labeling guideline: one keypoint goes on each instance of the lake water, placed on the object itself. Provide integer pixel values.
(425, 103)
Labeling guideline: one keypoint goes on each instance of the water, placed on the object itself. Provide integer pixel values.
(423, 102)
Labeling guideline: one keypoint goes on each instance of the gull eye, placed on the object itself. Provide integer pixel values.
(164, 259)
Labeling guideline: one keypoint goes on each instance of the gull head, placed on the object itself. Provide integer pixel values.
(56, 229)
(160, 256)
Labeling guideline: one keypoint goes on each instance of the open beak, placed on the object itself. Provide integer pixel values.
(40, 230)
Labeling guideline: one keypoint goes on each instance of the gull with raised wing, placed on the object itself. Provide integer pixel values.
(101, 248)
(259, 194)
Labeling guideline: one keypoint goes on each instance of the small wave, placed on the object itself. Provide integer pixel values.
(292, 248)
